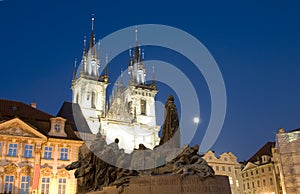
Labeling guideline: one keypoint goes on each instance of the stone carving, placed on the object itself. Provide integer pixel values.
(113, 167)
(46, 171)
(171, 130)
(16, 131)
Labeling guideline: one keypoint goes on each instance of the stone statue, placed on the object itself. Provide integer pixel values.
(171, 131)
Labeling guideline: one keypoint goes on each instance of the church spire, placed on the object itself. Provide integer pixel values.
(92, 38)
(83, 62)
(137, 48)
(106, 69)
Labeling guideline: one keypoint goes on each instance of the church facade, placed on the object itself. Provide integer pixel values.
(129, 114)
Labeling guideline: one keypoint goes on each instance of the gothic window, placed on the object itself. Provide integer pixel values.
(93, 100)
(129, 107)
(143, 107)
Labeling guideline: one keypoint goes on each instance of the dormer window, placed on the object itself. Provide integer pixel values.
(57, 127)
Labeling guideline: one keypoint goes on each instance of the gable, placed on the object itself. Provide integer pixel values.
(249, 165)
(17, 127)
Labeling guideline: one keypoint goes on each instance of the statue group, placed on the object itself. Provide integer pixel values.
(108, 165)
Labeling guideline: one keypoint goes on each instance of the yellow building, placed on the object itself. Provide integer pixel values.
(260, 174)
(227, 165)
(35, 148)
(288, 160)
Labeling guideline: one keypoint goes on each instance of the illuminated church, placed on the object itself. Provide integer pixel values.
(129, 114)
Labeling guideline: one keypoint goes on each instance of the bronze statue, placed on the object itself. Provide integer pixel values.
(171, 131)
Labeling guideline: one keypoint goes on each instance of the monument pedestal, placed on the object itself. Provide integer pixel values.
(173, 184)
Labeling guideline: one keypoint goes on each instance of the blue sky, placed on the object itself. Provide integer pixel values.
(256, 45)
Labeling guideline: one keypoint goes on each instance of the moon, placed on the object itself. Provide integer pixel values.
(196, 120)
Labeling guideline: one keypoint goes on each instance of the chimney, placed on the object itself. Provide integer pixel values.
(33, 104)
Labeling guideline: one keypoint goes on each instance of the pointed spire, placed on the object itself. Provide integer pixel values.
(74, 72)
(84, 46)
(137, 49)
(106, 69)
(153, 79)
(92, 38)
(83, 57)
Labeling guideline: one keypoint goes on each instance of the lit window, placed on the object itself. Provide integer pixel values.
(237, 183)
(62, 185)
(45, 185)
(48, 152)
(9, 183)
(12, 150)
(64, 153)
(57, 127)
(143, 107)
(230, 180)
(25, 182)
(28, 151)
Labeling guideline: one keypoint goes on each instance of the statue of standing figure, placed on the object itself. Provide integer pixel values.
(171, 131)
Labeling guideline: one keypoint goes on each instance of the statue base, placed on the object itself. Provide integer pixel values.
(172, 184)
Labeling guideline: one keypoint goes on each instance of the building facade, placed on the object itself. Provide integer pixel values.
(288, 160)
(260, 174)
(35, 148)
(226, 164)
(129, 114)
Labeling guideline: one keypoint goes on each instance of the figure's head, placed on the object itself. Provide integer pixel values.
(116, 140)
(171, 98)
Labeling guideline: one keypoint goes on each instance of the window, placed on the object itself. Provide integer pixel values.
(262, 170)
(230, 180)
(229, 169)
(225, 159)
(248, 185)
(12, 150)
(258, 185)
(269, 168)
(251, 172)
(28, 151)
(264, 182)
(237, 183)
(253, 184)
(45, 185)
(64, 153)
(57, 127)
(256, 171)
(246, 174)
(25, 181)
(143, 107)
(48, 152)
(217, 168)
(223, 168)
(62, 185)
(9, 183)
(93, 100)
(129, 107)
(210, 157)
(271, 181)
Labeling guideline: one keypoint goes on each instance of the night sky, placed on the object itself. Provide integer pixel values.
(255, 44)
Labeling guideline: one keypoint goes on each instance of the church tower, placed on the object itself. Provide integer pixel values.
(89, 88)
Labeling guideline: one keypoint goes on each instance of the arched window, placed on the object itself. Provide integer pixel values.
(143, 107)
(93, 100)
(129, 108)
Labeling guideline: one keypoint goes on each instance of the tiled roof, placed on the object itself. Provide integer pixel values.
(265, 150)
(72, 112)
(38, 119)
